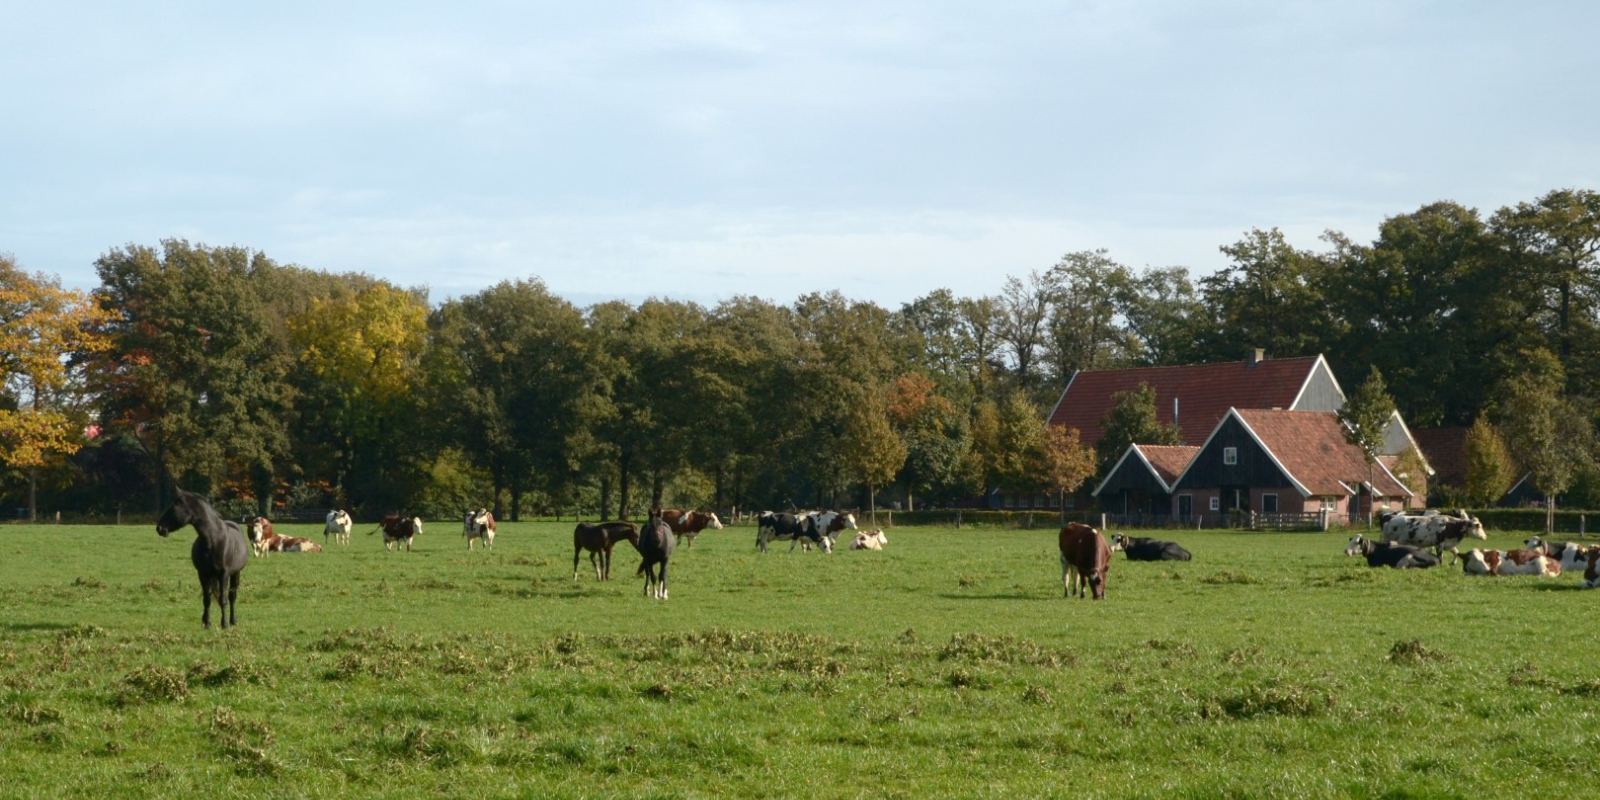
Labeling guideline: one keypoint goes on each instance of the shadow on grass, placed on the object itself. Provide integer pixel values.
(36, 626)
(949, 596)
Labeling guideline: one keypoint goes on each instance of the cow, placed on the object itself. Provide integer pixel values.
(478, 525)
(1573, 557)
(1085, 558)
(337, 526)
(599, 538)
(262, 539)
(1591, 571)
(399, 530)
(1509, 562)
(1138, 548)
(830, 524)
(655, 544)
(688, 524)
(1439, 531)
(1389, 554)
(869, 540)
(785, 526)
(294, 544)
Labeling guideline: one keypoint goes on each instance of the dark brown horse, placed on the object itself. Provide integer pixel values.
(598, 538)
(655, 544)
(220, 553)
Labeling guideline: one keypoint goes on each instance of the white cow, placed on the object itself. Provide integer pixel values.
(1439, 531)
(337, 526)
(869, 540)
(478, 525)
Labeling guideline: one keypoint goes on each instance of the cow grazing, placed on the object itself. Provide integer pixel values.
(1138, 548)
(655, 544)
(1591, 571)
(599, 538)
(1572, 557)
(478, 525)
(1509, 562)
(337, 526)
(1389, 554)
(689, 524)
(1439, 531)
(219, 554)
(398, 530)
(789, 527)
(869, 540)
(1085, 558)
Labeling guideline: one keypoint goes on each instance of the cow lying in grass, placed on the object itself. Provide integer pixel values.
(263, 540)
(1573, 557)
(1141, 549)
(869, 540)
(1510, 562)
(1389, 554)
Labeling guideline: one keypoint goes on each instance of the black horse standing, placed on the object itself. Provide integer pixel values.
(219, 553)
(655, 544)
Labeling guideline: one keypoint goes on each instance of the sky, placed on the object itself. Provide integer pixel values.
(704, 150)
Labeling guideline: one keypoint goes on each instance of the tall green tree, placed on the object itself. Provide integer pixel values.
(192, 369)
(1266, 298)
(1554, 242)
(1066, 462)
(1549, 433)
(1366, 414)
(1132, 419)
(1087, 329)
(876, 453)
(1490, 471)
(1163, 311)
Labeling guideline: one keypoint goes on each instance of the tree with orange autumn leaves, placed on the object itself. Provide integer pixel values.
(45, 330)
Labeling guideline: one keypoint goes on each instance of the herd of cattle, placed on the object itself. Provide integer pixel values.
(1409, 541)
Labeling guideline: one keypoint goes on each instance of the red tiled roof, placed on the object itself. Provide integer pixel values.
(1446, 451)
(1169, 461)
(1310, 445)
(1204, 392)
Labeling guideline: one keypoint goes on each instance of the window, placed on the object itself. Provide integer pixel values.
(1230, 455)
(1216, 504)
(1269, 504)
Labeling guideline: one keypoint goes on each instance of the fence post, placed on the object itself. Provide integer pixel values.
(958, 519)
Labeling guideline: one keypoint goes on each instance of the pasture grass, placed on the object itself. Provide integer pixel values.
(948, 665)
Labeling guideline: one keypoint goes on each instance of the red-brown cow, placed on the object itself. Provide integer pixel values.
(688, 524)
(1085, 558)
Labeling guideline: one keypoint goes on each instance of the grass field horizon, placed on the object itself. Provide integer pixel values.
(947, 666)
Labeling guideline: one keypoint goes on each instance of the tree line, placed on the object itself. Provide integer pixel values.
(259, 383)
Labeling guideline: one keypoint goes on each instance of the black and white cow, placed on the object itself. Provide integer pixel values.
(1389, 554)
(1138, 548)
(791, 527)
(1572, 557)
(1439, 531)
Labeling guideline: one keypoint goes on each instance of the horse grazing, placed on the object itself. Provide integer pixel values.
(220, 553)
(655, 544)
(1084, 552)
(598, 538)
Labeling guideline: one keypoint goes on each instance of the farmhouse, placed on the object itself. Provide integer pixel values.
(1256, 463)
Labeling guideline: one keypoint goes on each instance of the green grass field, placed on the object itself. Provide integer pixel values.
(947, 666)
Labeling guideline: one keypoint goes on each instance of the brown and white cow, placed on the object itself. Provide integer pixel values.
(337, 526)
(1509, 562)
(869, 540)
(1591, 571)
(1439, 531)
(295, 544)
(262, 539)
(689, 524)
(1085, 559)
(1573, 557)
(479, 525)
(398, 530)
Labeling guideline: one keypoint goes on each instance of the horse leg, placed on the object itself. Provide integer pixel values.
(661, 588)
(233, 598)
(205, 604)
(577, 550)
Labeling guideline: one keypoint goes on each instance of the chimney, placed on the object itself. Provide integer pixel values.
(1257, 356)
